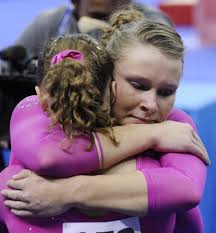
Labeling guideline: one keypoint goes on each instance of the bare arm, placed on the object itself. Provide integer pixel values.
(83, 192)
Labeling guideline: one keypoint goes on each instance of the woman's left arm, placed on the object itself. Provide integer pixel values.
(189, 221)
(179, 184)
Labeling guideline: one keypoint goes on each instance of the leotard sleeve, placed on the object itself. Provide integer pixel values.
(5, 175)
(178, 185)
(47, 151)
(189, 221)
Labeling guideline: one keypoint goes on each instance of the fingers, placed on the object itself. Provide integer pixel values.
(15, 195)
(199, 148)
(201, 151)
(22, 213)
(16, 184)
(18, 205)
(198, 152)
(203, 146)
(200, 144)
(23, 174)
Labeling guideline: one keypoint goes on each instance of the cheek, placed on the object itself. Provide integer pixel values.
(127, 96)
(165, 107)
(126, 99)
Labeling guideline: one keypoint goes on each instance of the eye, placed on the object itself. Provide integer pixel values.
(166, 92)
(139, 86)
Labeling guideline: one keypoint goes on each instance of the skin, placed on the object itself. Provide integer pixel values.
(149, 80)
(143, 94)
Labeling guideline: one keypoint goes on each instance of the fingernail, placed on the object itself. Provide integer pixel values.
(2, 192)
(8, 183)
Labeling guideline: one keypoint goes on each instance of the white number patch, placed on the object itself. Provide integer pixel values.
(128, 225)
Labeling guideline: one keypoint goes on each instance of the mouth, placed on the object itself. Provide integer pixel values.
(145, 120)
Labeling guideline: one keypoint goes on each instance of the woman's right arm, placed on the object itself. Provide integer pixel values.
(47, 152)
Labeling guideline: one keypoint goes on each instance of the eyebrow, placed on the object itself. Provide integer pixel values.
(168, 85)
(144, 80)
(141, 79)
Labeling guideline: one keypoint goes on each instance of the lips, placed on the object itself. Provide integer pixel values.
(145, 120)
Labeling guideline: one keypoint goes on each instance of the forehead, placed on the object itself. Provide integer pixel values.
(149, 62)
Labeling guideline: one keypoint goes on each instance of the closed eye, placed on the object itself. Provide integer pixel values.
(166, 92)
(139, 86)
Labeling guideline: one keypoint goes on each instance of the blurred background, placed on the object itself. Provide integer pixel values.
(195, 20)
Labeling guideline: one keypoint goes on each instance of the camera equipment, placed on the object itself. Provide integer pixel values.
(16, 60)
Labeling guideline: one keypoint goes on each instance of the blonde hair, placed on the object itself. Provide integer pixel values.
(76, 88)
(129, 26)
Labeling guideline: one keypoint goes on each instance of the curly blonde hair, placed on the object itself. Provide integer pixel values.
(76, 88)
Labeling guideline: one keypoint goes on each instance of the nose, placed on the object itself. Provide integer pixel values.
(149, 102)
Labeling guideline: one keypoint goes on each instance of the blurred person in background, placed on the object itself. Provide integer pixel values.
(66, 20)
(86, 16)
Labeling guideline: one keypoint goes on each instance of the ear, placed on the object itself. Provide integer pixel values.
(113, 92)
(43, 101)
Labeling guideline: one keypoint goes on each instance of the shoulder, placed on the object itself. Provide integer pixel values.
(29, 105)
(181, 116)
(48, 18)
(53, 13)
(43, 27)
(28, 102)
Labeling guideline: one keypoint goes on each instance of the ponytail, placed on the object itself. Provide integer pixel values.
(74, 72)
(74, 98)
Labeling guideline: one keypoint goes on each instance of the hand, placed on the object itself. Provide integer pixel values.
(174, 136)
(34, 196)
(87, 24)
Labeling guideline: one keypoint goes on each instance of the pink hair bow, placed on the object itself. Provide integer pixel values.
(73, 54)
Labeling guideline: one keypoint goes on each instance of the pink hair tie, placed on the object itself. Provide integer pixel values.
(73, 54)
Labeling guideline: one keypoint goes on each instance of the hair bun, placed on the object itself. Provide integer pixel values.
(120, 18)
(125, 16)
